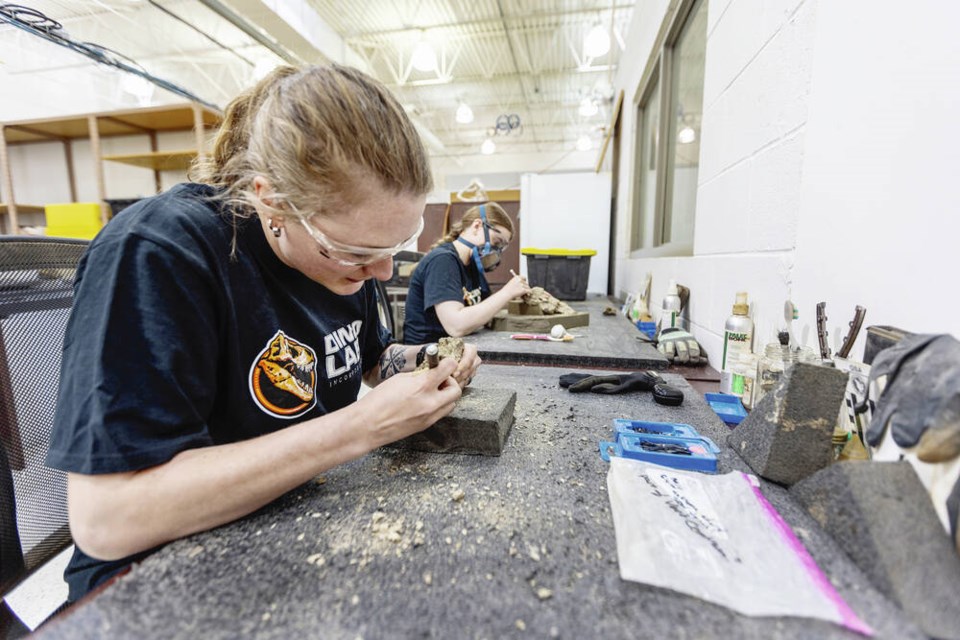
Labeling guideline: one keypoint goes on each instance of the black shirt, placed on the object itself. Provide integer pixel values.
(173, 344)
(439, 277)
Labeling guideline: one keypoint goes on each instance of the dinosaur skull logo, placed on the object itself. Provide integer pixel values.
(283, 378)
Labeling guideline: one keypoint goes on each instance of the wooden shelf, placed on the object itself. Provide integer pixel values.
(23, 208)
(157, 160)
(147, 122)
(109, 124)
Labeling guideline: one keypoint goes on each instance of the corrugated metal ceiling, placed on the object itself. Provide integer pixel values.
(501, 57)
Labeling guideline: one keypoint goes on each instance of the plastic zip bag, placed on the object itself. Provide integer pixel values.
(715, 537)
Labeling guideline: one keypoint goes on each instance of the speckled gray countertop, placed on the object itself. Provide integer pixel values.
(407, 544)
(608, 341)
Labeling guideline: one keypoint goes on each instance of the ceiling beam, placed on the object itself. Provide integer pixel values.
(301, 29)
(264, 37)
(482, 79)
(493, 21)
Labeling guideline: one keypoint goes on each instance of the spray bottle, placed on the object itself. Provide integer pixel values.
(671, 307)
(737, 339)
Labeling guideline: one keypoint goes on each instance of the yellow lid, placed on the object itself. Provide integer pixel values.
(557, 252)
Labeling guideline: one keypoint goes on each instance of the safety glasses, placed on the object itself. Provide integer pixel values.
(503, 242)
(347, 255)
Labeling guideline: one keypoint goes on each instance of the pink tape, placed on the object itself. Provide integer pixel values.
(848, 618)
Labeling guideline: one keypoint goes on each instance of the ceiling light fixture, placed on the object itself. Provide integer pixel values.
(137, 86)
(488, 147)
(686, 135)
(597, 42)
(464, 113)
(261, 69)
(424, 58)
(584, 143)
(507, 123)
(588, 107)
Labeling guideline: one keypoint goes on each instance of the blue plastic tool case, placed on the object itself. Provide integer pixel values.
(649, 328)
(631, 435)
(728, 407)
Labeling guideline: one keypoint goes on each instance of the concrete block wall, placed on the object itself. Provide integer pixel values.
(878, 224)
(756, 87)
(828, 165)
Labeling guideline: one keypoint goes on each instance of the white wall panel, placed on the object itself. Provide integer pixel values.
(568, 211)
(39, 173)
(746, 27)
(723, 213)
(775, 195)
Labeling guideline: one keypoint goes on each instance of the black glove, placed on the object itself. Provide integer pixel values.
(680, 347)
(612, 383)
(580, 382)
(920, 402)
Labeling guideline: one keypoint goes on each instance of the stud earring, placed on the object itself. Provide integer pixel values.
(274, 228)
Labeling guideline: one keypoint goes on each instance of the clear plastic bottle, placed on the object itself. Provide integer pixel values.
(737, 339)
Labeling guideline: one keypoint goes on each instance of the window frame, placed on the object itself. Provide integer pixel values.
(659, 68)
(637, 235)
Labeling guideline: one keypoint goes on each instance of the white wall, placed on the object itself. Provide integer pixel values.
(568, 211)
(827, 160)
(880, 214)
(450, 170)
(40, 169)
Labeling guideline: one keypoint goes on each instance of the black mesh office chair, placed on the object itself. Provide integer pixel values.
(384, 308)
(36, 292)
(390, 307)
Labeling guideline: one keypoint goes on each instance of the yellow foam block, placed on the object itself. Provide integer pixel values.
(73, 220)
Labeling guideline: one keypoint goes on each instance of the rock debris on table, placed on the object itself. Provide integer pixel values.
(549, 305)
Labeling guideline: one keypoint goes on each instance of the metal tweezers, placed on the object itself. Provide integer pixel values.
(665, 447)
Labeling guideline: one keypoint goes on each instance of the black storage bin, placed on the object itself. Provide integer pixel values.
(562, 272)
(119, 204)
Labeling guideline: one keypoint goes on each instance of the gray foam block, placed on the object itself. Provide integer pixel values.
(479, 424)
(789, 434)
(880, 514)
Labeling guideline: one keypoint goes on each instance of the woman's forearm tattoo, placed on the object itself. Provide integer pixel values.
(392, 361)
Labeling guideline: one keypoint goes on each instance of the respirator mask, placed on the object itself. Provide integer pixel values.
(487, 258)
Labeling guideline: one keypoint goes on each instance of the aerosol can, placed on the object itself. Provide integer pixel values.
(737, 339)
(670, 307)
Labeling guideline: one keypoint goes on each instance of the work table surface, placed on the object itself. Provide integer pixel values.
(403, 544)
(608, 341)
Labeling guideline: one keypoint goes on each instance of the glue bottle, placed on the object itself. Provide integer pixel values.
(745, 378)
(737, 339)
(671, 307)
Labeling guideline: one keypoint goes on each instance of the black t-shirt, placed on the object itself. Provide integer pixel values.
(172, 344)
(440, 276)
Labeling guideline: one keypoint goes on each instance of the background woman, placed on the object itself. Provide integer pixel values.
(449, 294)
